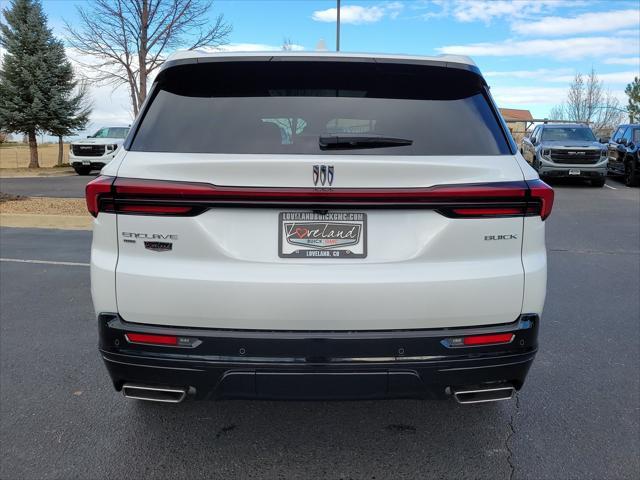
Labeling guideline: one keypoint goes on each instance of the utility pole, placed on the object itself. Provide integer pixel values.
(338, 27)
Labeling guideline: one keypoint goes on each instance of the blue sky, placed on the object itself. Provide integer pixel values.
(528, 50)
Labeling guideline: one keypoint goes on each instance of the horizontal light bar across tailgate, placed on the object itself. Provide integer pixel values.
(161, 197)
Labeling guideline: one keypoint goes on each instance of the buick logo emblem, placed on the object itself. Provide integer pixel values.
(322, 175)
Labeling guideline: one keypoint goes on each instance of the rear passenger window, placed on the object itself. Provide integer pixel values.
(285, 107)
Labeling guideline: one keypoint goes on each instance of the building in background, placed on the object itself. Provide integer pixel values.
(518, 121)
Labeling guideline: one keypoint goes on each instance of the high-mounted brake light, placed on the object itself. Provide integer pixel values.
(162, 197)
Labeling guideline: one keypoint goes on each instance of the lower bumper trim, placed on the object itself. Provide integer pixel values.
(295, 365)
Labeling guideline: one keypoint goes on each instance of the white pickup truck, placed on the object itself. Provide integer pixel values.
(96, 150)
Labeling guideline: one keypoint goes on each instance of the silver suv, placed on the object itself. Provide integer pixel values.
(566, 150)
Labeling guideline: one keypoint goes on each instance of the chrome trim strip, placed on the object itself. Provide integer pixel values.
(150, 366)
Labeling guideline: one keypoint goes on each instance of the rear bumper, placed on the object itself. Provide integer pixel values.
(224, 364)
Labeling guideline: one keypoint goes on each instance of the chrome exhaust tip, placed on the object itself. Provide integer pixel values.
(483, 395)
(154, 394)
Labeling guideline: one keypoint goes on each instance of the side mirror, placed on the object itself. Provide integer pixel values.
(622, 141)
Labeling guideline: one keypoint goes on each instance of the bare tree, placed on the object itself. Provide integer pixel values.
(588, 102)
(130, 38)
(287, 44)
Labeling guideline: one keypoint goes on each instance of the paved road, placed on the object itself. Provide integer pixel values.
(68, 186)
(577, 416)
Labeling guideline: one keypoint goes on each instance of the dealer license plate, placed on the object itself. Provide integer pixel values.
(317, 235)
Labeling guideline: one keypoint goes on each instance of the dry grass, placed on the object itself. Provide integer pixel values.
(17, 156)
(44, 206)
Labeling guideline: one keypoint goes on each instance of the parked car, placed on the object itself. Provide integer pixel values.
(624, 153)
(566, 150)
(321, 225)
(96, 150)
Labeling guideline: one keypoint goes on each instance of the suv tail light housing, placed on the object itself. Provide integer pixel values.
(162, 197)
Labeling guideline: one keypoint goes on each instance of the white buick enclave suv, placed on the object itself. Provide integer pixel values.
(291, 225)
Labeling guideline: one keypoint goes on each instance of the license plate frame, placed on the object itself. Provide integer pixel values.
(338, 235)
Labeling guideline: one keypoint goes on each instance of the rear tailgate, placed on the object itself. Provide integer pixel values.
(422, 270)
(254, 127)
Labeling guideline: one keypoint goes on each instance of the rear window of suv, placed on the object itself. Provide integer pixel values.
(289, 107)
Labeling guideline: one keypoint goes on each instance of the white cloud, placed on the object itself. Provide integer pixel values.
(487, 10)
(356, 14)
(526, 95)
(538, 96)
(560, 75)
(540, 73)
(629, 32)
(583, 23)
(565, 49)
(622, 61)
(613, 77)
(254, 47)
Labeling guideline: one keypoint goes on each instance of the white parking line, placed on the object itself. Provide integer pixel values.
(609, 186)
(44, 262)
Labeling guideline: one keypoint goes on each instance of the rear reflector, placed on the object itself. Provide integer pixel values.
(478, 340)
(488, 339)
(161, 197)
(151, 339)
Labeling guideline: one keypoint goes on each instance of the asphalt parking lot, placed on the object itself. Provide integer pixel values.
(71, 186)
(577, 416)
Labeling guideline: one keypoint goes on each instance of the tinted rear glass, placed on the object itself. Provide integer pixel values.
(285, 107)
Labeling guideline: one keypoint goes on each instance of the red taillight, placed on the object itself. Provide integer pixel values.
(152, 339)
(95, 189)
(541, 195)
(488, 212)
(154, 209)
(161, 197)
(488, 339)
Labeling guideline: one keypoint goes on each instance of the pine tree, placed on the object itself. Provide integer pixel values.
(27, 85)
(633, 107)
(69, 105)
